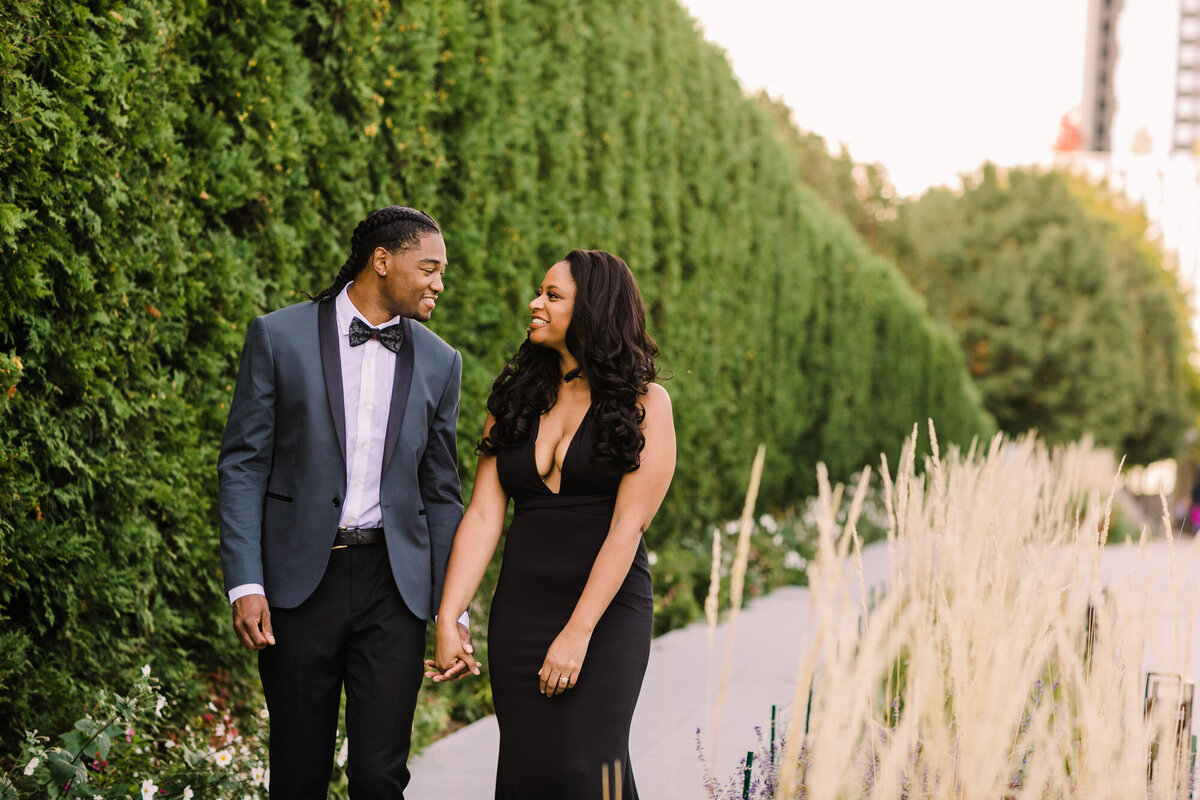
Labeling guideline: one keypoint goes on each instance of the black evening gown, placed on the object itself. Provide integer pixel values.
(554, 748)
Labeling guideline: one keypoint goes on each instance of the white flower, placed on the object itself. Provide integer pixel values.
(32, 765)
(188, 794)
(777, 539)
(223, 758)
(219, 731)
(257, 774)
(768, 523)
(169, 743)
(794, 560)
(148, 788)
(652, 557)
(732, 526)
(343, 752)
(158, 707)
(146, 670)
(264, 714)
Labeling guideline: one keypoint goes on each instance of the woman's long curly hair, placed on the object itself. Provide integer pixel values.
(607, 336)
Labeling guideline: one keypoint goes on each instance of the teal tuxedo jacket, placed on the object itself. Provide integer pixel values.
(282, 466)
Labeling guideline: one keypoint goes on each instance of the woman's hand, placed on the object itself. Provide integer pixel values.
(452, 655)
(564, 659)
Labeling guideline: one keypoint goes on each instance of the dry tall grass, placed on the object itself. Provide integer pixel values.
(973, 676)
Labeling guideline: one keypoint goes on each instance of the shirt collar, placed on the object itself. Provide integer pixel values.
(347, 311)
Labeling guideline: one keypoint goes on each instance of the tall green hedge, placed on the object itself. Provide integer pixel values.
(171, 169)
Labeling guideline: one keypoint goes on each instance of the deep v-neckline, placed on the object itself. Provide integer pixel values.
(566, 456)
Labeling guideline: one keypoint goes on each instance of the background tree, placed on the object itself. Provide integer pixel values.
(1069, 322)
(1169, 387)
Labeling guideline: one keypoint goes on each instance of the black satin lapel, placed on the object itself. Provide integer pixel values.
(331, 365)
(400, 388)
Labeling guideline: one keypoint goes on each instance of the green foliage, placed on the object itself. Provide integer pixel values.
(861, 193)
(126, 746)
(1168, 386)
(1068, 319)
(173, 169)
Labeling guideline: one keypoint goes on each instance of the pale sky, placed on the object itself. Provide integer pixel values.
(932, 88)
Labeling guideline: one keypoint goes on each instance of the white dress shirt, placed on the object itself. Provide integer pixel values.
(368, 374)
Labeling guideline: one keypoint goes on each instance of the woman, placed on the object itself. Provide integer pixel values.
(582, 439)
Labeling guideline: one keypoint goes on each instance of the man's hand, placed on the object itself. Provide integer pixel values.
(453, 659)
(252, 621)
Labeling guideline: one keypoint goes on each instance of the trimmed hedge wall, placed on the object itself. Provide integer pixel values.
(171, 169)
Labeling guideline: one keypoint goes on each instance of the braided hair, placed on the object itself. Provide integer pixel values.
(392, 228)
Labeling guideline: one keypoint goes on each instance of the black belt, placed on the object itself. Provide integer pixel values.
(349, 537)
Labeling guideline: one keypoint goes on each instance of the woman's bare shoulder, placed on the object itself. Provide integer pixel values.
(656, 400)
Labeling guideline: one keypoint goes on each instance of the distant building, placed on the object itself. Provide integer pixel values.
(1187, 79)
(1159, 169)
(1100, 60)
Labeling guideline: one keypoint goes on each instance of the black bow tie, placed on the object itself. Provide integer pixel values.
(390, 337)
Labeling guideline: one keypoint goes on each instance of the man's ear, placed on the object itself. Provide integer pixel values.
(379, 261)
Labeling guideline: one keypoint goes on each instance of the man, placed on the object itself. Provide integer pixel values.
(339, 499)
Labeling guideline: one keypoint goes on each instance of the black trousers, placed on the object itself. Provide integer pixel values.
(354, 630)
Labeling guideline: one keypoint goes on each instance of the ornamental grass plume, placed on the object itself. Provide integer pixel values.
(995, 664)
(737, 583)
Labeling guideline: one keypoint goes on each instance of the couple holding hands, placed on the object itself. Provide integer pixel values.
(342, 528)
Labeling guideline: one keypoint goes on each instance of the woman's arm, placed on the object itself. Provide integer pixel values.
(638, 498)
(474, 545)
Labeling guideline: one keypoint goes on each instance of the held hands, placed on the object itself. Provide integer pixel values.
(564, 659)
(453, 655)
(252, 622)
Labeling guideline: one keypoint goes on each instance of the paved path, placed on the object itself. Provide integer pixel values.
(771, 633)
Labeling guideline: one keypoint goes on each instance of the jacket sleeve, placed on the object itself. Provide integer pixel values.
(438, 478)
(245, 460)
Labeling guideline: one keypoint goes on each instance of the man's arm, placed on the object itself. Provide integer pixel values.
(243, 468)
(437, 475)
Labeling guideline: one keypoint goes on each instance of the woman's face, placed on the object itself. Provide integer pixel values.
(552, 308)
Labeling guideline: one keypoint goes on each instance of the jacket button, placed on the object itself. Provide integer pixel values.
(337, 503)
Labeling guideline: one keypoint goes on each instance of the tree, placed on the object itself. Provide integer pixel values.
(1066, 327)
(1168, 385)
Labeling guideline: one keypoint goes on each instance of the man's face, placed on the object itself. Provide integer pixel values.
(414, 278)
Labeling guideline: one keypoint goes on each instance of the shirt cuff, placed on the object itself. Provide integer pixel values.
(245, 589)
(464, 620)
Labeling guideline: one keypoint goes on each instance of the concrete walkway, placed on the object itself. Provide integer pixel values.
(680, 686)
